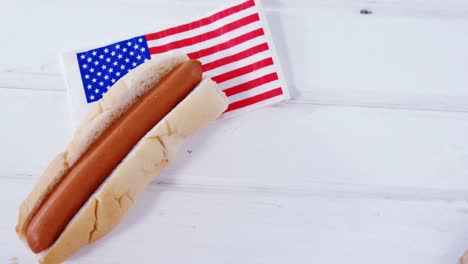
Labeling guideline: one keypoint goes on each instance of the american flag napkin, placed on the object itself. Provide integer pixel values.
(233, 44)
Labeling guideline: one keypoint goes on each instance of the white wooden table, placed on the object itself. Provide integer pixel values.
(367, 164)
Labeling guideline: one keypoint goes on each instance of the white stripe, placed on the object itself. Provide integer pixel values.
(233, 50)
(254, 91)
(239, 64)
(248, 77)
(204, 29)
(220, 39)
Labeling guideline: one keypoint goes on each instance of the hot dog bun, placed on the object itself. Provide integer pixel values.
(108, 205)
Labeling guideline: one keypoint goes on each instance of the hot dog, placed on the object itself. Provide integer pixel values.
(136, 138)
(98, 162)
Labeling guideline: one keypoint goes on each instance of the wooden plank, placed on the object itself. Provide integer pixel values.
(292, 145)
(298, 146)
(169, 224)
(375, 60)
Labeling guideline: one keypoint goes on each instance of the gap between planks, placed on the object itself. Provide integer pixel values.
(440, 104)
(452, 197)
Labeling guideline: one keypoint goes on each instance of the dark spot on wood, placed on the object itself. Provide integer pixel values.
(366, 12)
(189, 151)
(14, 260)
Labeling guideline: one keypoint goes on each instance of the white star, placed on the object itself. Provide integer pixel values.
(129, 43)
(101, 84)
(113, 80)
(115, 63)
(129, 70)
(106, 50)
(127, 60)
(96, 91)
(124, 49)
(99, 74)
(106, 77)
(111, 70)
(101, 56)
(122, 66)
(89, 59)
(140, 40)
(146, 60)
(91, 70)
(117, 46)
(94, 53)
(82, 56)
(131, 53)
(142, 49)
(134, 64)
(119, 56)
(113, 53)
(107, 59)
(96, 62)
(117, 74)
(94, 80)
(103, 67)
(85, 66)
(103, 93)
(138, 57)
(136, 46)
(107, 87)
(89, 86)
(86, 76)
(91, 97)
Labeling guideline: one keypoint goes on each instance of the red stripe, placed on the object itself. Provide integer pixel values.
(235, 57)
(254, 99)
(228, 44)
(251, 84)
(205, 36)
(243, 70)
(201, 22)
